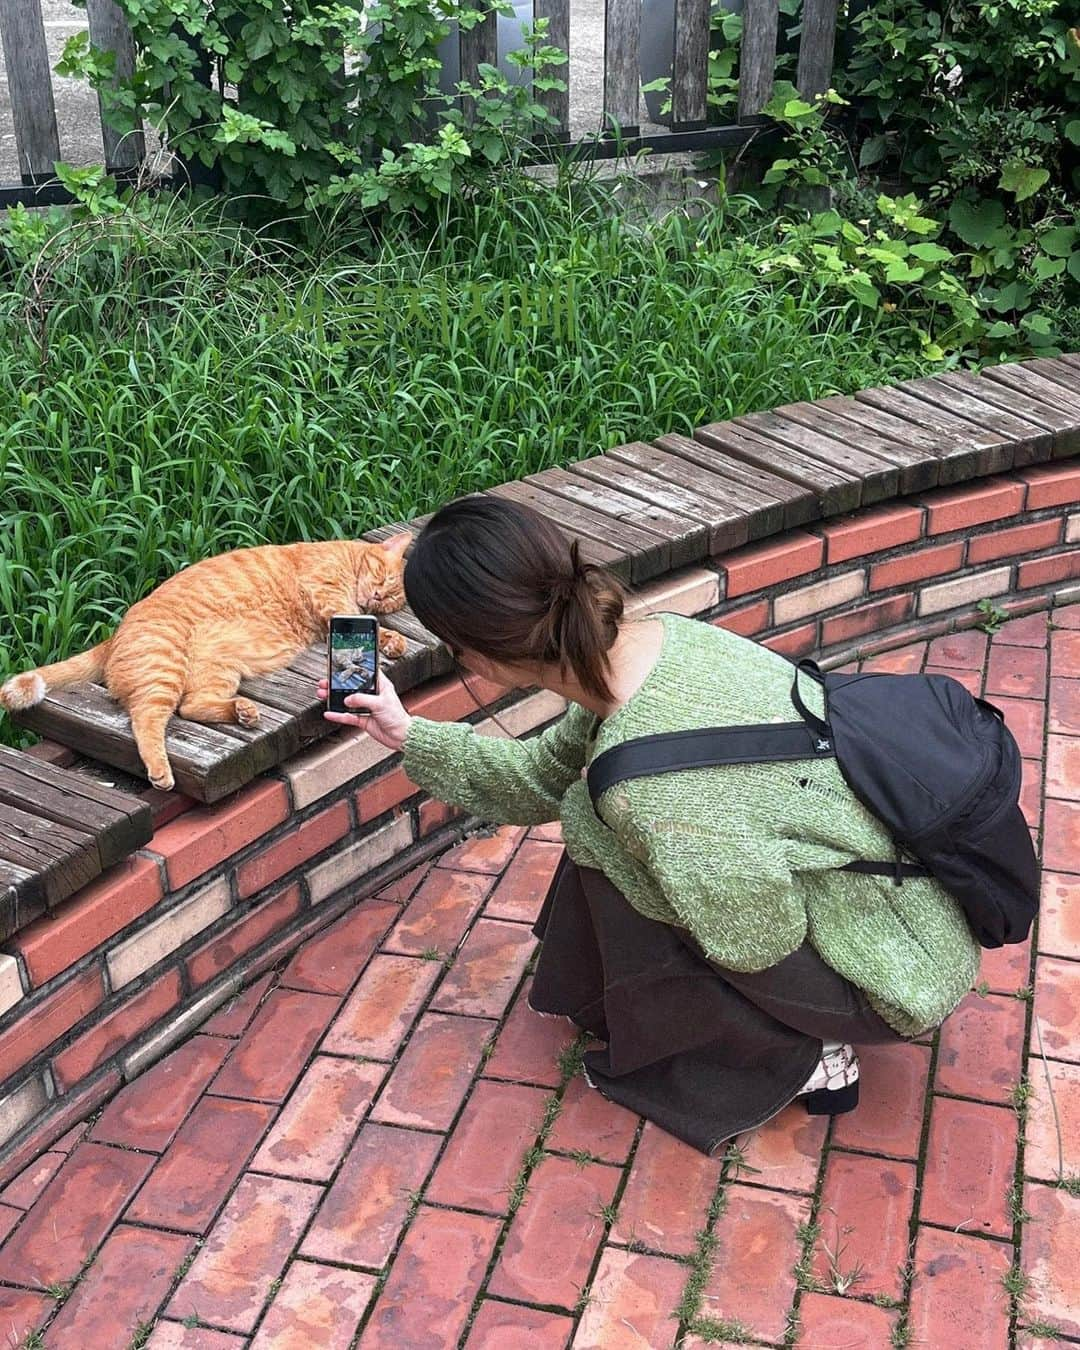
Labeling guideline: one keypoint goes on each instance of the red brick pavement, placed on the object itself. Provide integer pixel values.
(395, 1151)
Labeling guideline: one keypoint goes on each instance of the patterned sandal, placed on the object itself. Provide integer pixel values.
(833, 1087)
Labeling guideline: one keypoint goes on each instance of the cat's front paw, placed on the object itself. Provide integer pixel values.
(392, 644)
(247, 713)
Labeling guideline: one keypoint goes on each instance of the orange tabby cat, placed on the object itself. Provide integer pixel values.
(186, 645)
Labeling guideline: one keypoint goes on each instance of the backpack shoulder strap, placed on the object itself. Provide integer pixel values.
(701, 748)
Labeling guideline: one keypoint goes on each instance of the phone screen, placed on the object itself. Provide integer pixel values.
(352, 650)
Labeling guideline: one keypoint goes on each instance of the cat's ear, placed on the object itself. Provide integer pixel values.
(396, 545)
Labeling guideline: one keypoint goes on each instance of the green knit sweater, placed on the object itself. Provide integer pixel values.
(742, 855)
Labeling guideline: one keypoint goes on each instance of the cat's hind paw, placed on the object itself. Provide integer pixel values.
(162, 779)
(22, 691)
(247, 713)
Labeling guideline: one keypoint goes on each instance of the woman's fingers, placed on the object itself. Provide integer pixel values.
(380, 714)
(346, 719)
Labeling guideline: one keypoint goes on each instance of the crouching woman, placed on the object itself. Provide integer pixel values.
(697, 924)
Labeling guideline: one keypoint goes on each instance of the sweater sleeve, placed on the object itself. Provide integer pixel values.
(513, 782)
(731, 888)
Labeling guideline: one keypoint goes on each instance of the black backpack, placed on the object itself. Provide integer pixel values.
(937, 766)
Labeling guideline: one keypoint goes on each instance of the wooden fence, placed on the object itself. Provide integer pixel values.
(22, 32)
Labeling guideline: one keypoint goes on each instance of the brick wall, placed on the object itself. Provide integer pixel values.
(96, 991)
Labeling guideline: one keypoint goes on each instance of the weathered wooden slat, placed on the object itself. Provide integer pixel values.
(979, 450)
(1031, 403)
(956, 461)
(556, 101)
(310, 663)
(932, 440)
(690, 71)
(22, 898)
(691, 507)
(746, 487)
(64, 858)
(880, 478)
(1029, 443)
(590, 548)
(1070, 359)
(683, 542)
(734, 512)
(206, 763)
(118, 823)
(757, 56)
(405, 622)
(381, 532)
(439, 660)
(1053, 381)
(646, 551)
(287, 692)
(814, 74)
(477, 46)
(837, 489)
(29, 77)
(918, 468)
(277, 736)
(622, 64)
(109, 30)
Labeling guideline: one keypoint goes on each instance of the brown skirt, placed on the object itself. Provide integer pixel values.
(703, 1052)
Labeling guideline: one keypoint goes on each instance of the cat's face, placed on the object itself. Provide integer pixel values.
(380, 585)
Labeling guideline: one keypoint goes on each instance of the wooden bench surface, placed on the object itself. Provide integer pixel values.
(644, 509)
(58, 831)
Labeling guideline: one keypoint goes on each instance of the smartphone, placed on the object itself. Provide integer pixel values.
(352, 655)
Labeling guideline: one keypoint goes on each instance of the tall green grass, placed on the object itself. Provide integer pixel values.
(171, 387)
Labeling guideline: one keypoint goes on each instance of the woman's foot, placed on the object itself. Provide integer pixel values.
(833, 1087)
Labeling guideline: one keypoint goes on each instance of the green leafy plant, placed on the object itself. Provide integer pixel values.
(305, 102)
(973, 110)
(881, 251)
(975, 91)
(979, 102)
(993, 617)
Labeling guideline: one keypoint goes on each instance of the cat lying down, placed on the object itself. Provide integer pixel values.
(185, 647)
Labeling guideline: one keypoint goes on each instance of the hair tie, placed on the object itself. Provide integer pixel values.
(561, 590)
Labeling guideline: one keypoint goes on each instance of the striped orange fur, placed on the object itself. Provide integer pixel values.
(186, 646)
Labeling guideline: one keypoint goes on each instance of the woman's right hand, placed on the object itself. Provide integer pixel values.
(382, 714)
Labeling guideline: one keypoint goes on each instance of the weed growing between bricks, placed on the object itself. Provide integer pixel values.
(808, 1234)
(805, 1279)
(700, 1264)
(1039, 1330)
(570, 1062)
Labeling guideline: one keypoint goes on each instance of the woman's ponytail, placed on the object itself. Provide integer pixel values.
(581, 623)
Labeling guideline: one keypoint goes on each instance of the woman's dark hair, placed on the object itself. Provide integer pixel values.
(496, 577)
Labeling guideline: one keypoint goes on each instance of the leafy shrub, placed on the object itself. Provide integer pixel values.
(977, 102)
(964, 115)
(304, 102)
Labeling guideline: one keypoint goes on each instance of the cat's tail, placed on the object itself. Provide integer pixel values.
(23, 691)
